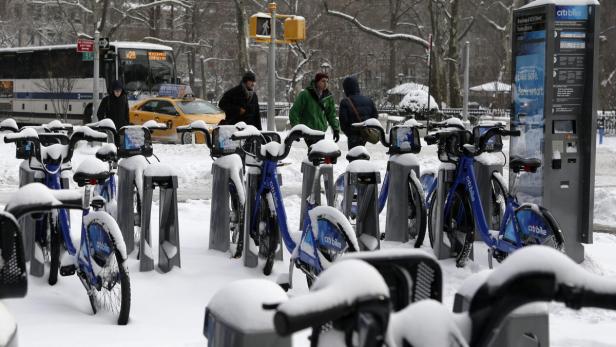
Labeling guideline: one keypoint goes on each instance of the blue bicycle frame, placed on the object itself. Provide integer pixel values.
(107, 190)
(53, 181)
(269, 183)
(465, 176)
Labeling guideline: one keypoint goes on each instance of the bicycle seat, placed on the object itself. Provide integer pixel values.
(524, 164)
(324, 151)
(358, 153)
(90, 171)
(107, 153)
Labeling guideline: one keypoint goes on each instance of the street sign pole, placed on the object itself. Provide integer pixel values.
(271, 103)
(467, 61)
(97, 50)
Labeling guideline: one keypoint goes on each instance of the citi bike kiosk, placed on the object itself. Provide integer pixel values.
(554, 69)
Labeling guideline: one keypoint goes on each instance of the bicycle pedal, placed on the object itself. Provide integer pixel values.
(68, 270)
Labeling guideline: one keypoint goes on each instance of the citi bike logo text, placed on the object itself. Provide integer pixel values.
(569, 13)
(537, 229)
(469, 185)
(102, 246)
(332, 241)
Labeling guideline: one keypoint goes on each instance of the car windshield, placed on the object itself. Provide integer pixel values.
(198, 107)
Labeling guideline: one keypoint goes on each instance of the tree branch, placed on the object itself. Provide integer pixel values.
(181, 43)
(377, 33)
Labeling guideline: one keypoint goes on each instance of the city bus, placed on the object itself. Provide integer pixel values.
(38, 84)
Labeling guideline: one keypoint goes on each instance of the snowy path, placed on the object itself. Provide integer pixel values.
(168, 310)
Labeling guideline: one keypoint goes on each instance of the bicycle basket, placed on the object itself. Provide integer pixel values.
(13, 276)
(404, 139)
(495, 144)
(221, 141)
(450, 144)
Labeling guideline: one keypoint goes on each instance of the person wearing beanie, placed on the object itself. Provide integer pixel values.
(115, 105)
(241, 103)
(315, 107)
(355, 108)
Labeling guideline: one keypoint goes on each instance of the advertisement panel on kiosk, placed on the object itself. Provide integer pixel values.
(554, 78)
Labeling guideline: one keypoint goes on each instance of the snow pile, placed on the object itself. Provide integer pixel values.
(154, 125)
(415, 97)
(240, 304)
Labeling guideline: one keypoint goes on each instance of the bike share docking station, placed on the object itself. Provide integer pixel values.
(404, 144)
(136, 177)
(362, 178)
(555, 69)
(161, 176)
(308, 172)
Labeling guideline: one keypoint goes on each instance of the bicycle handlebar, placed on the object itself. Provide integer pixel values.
(251, 133)
(23, 201)
(534, 274)
(336, 293)
(495, 131)
(198, 126)
(80, 133)
(374, 123)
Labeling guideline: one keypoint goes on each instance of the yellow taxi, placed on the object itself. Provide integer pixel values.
(175, 112)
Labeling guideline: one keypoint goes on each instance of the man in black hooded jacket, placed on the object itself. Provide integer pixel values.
(241, 103)
(115, 105)
(364, 109)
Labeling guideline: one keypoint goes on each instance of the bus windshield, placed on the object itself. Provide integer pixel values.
(145, 70)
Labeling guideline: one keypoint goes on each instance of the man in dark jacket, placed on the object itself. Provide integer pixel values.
(365, 110)
(241, 103)
(115, 105)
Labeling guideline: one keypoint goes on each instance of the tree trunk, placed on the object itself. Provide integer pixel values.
(455, 99)
(101, 26)
(242, 37)
(394, 6)
(436, 87)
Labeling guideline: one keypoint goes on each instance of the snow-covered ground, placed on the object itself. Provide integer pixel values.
(168, 309)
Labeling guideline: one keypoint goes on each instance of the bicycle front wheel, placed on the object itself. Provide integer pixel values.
(268, 232)
(416, 213)
(54, 253)
(107, 254)
(498, 195)
(236, 223)
(459, 226)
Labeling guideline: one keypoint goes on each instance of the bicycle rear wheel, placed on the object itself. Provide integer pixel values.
(268, 233)
(416, 212)
(459, 226)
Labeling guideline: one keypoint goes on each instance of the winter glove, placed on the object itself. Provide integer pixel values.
(336, 135)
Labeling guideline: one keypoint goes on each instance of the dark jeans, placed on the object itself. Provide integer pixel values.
(354, 141)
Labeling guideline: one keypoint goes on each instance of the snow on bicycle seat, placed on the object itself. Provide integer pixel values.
(324, 151)
(358, 153)
(91, 169)
(108, 152)
(55, 152)
(524, 164)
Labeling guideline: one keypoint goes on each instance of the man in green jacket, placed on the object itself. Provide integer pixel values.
(315, 107)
